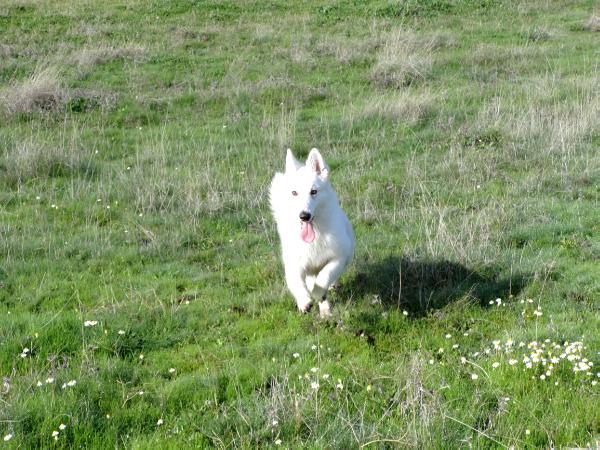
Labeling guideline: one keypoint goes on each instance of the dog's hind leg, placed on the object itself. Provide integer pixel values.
(297, 287)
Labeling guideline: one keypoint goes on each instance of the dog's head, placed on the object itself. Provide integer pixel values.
(308, 189)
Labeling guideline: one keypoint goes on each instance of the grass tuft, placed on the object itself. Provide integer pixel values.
(101, 54)
(407, 106)
(593, 24)
(42, 92)
(404, 60)
(45, 92)
(30, 161)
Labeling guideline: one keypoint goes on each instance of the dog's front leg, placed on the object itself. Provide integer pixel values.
(297, 286)
(328, 275)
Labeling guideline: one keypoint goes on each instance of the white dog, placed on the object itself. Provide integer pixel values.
(317, 241)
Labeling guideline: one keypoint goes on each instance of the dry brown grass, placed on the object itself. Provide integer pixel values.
(408, 106)
(46, 92)
(544, 129)
(301, 56)
(43, 91)
(559, 114)
(104, 53)
(196, 186)
(263, 32)
(33, 159)
(497, 55)
(404, 59)
(470, 240)
(347, 51)
(489, 62)
(416, 401)
(593, 24)
(6, 50)
(102, 28)
(184, 35)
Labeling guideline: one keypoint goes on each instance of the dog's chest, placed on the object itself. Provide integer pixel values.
(316, 256)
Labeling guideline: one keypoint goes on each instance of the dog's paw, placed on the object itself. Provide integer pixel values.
(304, 305)
(324, 310)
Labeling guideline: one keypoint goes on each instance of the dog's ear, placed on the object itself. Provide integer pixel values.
(291, 163)
(317, 164)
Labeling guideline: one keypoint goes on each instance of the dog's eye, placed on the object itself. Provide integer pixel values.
(294, 193)
(313, 192)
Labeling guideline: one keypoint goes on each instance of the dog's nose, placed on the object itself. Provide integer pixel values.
(305, 216)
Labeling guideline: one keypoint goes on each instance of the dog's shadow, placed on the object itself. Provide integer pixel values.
(420, 286)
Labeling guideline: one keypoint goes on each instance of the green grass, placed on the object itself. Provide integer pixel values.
(137, 143)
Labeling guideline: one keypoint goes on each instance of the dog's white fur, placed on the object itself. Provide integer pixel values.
(310, 268)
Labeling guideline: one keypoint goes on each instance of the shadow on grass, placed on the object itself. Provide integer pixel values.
(420, 286)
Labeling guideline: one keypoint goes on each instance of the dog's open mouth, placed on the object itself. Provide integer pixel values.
(307, 232)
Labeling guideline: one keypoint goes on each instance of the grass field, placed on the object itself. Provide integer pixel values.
(142, 299)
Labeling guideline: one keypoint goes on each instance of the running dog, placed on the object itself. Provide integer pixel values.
(317, 241)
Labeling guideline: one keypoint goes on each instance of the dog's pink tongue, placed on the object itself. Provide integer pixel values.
(307, 233)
